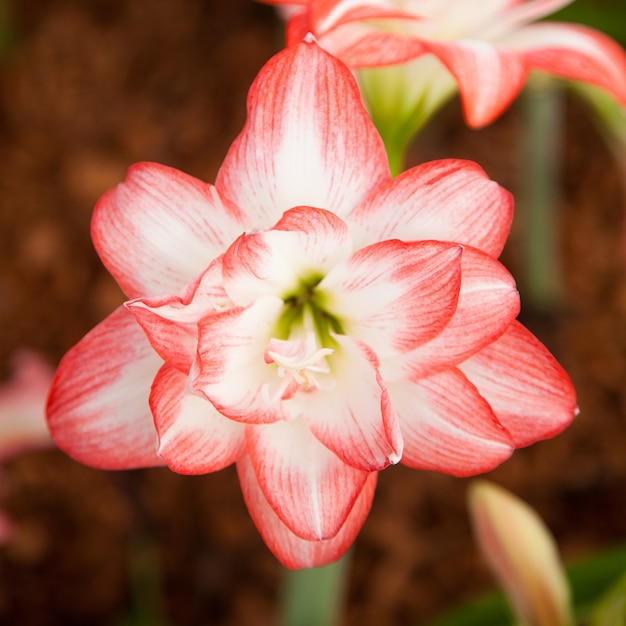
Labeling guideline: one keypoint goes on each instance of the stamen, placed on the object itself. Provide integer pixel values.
(299, 364)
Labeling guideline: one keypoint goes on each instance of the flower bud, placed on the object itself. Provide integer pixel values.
(522, 554)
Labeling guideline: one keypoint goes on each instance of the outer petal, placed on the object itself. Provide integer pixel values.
(448, 200)
(98, 405)
(194, 438)
(306, 142)
(488, 305)
(231, 368)
(394, 296)
(306, 242)
(311, 490)
(351, 31)
(360, 47)
(574, 51)
(448, 426)
(354, 419)
(293, 551)
(171, 322)
(22, 405)
(489, 76)
(529, 391)
(160, 228)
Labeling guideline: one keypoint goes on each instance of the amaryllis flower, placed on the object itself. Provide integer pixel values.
(485, 49)
(308, 318)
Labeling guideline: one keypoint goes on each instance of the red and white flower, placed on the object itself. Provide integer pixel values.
(308, 318)
(484, 49)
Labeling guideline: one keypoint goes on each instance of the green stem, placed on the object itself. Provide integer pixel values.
(313, 597)
(540, 197)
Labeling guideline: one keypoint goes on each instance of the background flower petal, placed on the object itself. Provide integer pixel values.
(574, 51)
(22, 404)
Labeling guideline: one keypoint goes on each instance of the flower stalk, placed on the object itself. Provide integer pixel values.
(314, 596)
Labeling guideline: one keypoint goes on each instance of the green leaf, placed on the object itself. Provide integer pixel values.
(611, 610)
(589, 580)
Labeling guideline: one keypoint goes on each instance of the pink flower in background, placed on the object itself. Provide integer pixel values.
(23, 425)
(484, 49)
(308, 318)
(22, 405)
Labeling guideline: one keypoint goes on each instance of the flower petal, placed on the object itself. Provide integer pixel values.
(447, 200)
(529, 391)
(361, 48)
(160, 228)
(98, 409)
(305, 243)
(171, 322)
(231, 368)
(488, 305)
(354, 418)
(448, 426)
(394, 296)
(489, 76)
(293, 551)
(309, 488)
(576, 52)
(306, 142)
(194, 438)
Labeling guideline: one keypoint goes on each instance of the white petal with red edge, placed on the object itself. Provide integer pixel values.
(575, 52)
(448, 426)
(311, 490)
(489, 76)
(529, 391)
(293, 551)
(447, 200)
(231, 370)
(306, 243)
(394, 296)
(306, 142)
(171, 322)
(98, 408)
(488, 305)
(194, 438)
(353, 416)
(160, 228)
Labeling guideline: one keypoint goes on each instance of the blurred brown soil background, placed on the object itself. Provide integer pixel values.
(89, 87)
